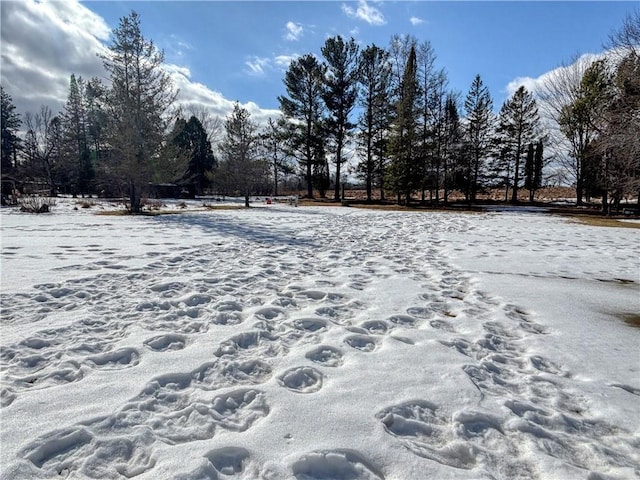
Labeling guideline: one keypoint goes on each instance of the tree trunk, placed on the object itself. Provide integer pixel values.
(134, 198)
(474, 183)
(275, 180)
(309, 180)
(516, 179)
(579, 189)
(336, 192)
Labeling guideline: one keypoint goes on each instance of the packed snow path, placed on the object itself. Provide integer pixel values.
(317, 343)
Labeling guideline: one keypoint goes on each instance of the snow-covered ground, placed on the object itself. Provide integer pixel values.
(318, 343)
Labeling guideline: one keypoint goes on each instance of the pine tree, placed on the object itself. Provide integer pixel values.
(538, 165)
(190, 138)
(339, 94)
(140, 95)
(451, 147)
(375, 77)
(434, 134)
(519, 125)
(241, 169)
(97, 121)
(303, 105)
(80, 171)
(10, 125)
(404, 173)
(479, 110)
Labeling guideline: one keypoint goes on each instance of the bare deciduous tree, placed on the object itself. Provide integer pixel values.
(561, 89)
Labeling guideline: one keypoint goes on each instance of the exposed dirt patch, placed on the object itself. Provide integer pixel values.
(599, 221)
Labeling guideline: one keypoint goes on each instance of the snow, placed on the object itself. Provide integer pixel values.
(318, 343)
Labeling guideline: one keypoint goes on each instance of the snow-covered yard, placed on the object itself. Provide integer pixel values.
(318, 343)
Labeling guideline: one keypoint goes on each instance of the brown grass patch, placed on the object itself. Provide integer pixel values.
(156, 213)
(597, 221)
(632, 319)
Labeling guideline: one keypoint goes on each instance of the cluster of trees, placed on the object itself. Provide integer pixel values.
(411, 137)
(128, 138)
(388, 112)
(596, 105)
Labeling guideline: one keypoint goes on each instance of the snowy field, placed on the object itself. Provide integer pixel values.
(318, 343)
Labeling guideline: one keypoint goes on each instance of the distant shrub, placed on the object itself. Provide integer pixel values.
(152, 204)
(36, 204)
(86, 203)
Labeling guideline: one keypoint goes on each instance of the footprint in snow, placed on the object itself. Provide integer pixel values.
(310, 324)
(364, 343)
(79, 452)
(220, 374)
(164, 343)
(335, 464)
(115, 359)
(326, 355)
(301, 379)
(231, 462)
(442, 325)
(375, 327)
(462, 442)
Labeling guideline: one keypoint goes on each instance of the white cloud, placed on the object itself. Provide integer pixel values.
(416, 21)
(261, 66)
(43, 42)
(535, 85)
(257, 66)
(293, 31)
(365, 12)
(283, 61)
(195, 94)
(530, 84)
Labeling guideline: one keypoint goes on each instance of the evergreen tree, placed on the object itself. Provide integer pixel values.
(479, 129)
(303, 105)
(241, 170)
(399, 49)
(79, 168)
(190, 138)
(452, 144)
(339, 94)
(374, 79)
(95, 98)
(434, 134)
(140, 95)
(519, 125)
(538, 165)
(10, 125)
(404, 172)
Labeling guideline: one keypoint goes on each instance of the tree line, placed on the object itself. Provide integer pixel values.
(388, 113)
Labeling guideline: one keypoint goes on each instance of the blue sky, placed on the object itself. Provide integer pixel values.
(500, 40)
(221, 52)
